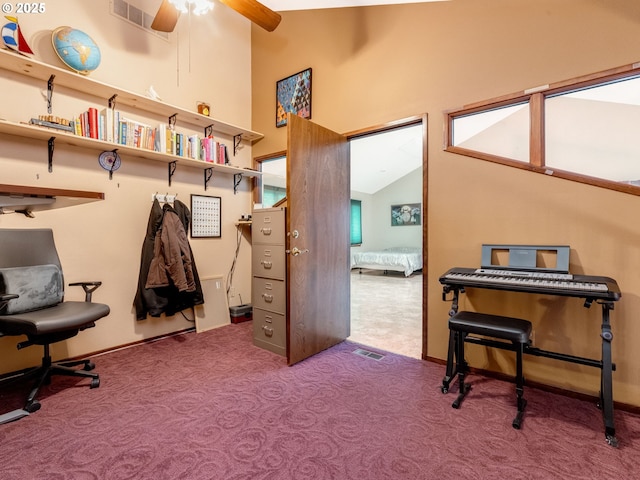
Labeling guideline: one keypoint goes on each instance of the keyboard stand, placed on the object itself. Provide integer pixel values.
(13, 416)
(606, 366)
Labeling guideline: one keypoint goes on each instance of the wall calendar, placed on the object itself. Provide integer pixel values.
(205, 216)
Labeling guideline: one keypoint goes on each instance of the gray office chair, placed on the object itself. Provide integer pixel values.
(32, 304)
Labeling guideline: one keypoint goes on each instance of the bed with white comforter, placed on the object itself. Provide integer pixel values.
(398, 259)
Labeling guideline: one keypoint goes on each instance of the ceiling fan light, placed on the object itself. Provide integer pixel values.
(181, 5)
(200, 7)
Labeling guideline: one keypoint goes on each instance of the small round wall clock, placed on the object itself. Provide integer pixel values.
(110, 161)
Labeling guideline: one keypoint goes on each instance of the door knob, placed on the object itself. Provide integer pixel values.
(295, 251)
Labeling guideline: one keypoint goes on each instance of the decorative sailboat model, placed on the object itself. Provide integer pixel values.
(13, 38)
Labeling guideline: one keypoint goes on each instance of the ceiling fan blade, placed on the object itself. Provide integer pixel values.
(166, 18)
(256, 12)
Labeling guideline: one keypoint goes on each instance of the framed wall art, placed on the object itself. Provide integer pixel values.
(205, 216)
(293, 95)
(406, 214)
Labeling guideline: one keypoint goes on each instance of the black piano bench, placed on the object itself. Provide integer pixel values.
(515, 335)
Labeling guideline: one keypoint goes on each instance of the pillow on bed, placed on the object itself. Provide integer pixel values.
(38, 286)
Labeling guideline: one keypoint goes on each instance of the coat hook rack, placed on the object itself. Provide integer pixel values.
(171, 169)
(51, 146)
(237, 140)
(208, 173)
(163, 197)
(50, 93)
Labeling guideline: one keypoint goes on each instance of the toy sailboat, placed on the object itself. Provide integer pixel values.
(12, 37)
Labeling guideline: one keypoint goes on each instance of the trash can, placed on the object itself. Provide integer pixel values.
(241, 313)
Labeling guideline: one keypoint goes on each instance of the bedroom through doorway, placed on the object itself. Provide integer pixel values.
(386, 250)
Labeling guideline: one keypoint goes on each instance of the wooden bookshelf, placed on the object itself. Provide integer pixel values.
(27, 130)
(74, 81)
(22, 197)
(35, 69)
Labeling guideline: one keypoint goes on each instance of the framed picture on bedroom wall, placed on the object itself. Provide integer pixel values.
(406, 214)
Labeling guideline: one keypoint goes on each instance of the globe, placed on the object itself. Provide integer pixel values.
(76, 49)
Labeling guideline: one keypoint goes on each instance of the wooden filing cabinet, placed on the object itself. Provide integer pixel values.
(269, 289)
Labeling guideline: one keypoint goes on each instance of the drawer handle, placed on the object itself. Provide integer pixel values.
(266, 264)
(267, 298)
(266, 231)
(268, 331)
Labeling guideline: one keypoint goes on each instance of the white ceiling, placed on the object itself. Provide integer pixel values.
(285, 5)
(381, 159)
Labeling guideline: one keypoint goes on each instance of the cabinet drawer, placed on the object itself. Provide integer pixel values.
(268, 261)
(269, 294)
(269, 331)
(267, 226)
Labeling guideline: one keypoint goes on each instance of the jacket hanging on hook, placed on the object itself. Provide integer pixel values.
(168, 282)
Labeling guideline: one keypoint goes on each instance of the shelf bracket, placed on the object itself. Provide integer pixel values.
(208, 173)
(208, 130)
(50, 93)
(172, 121)
(237, 178)
(112, 101)
(114, 165)
(51, 145)
(171, 167)
(237, 140)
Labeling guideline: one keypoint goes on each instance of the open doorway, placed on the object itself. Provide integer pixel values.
(386, 262)
(389, 200)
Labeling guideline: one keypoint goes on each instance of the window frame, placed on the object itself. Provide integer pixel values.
(536, 98)
(351, 207)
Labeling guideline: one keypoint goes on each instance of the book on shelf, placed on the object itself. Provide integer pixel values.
(107, 115)
(110, 125)
(213, 151)
(92, 122)
(57, 126)
(224, 155)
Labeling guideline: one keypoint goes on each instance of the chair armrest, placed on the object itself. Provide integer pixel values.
(5, 297)
(88, 287)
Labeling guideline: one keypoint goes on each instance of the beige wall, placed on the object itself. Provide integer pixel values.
(377, 64)
(102, 240)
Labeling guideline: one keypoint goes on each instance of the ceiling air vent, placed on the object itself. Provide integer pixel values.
(132, 14)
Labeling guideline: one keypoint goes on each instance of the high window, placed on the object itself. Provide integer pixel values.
(582, 129)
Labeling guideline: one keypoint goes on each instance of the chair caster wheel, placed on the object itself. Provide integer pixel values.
(95, 383)
(444, 389)
(89, 366)
(33, 406)
(612, 440)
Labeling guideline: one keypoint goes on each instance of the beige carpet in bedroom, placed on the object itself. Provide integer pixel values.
(386, 311)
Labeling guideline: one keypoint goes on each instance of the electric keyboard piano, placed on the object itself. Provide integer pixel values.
(546, 281)
(581, 286)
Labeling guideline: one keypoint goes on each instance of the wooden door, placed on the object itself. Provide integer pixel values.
(318, 239)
